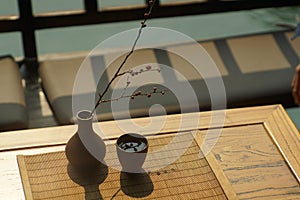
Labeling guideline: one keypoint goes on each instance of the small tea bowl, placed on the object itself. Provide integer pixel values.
(132, 149)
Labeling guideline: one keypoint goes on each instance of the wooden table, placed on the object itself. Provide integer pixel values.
(258, 151)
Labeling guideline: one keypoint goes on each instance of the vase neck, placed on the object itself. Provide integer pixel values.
(85, 122)
(85, 126)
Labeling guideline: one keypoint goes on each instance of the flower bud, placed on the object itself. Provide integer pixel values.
(143, 24)
(138, 93)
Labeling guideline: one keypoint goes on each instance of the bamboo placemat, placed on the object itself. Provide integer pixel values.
(49, 176)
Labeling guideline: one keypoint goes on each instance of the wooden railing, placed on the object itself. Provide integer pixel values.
(27, 22)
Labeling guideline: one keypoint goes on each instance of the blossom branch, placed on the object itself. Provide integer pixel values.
(138, 93)
(133, 73)
(117, 73)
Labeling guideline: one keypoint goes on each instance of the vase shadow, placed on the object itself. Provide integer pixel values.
(89, 179)
(136, 185)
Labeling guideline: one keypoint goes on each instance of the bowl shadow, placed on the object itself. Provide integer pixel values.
(136, 185)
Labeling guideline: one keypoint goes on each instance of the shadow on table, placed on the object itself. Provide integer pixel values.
(89, 179)
(136, 185)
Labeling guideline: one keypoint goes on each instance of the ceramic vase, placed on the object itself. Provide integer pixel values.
(85, 150)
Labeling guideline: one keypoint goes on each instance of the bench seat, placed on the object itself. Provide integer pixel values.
(256, 70)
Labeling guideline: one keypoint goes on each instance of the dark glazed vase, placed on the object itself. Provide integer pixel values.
(85, 150)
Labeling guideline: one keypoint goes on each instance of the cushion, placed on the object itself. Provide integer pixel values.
(12, 100)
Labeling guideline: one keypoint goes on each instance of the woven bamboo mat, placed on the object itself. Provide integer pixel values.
(49, 176)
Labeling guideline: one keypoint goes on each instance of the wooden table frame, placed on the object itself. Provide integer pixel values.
(274, 118)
